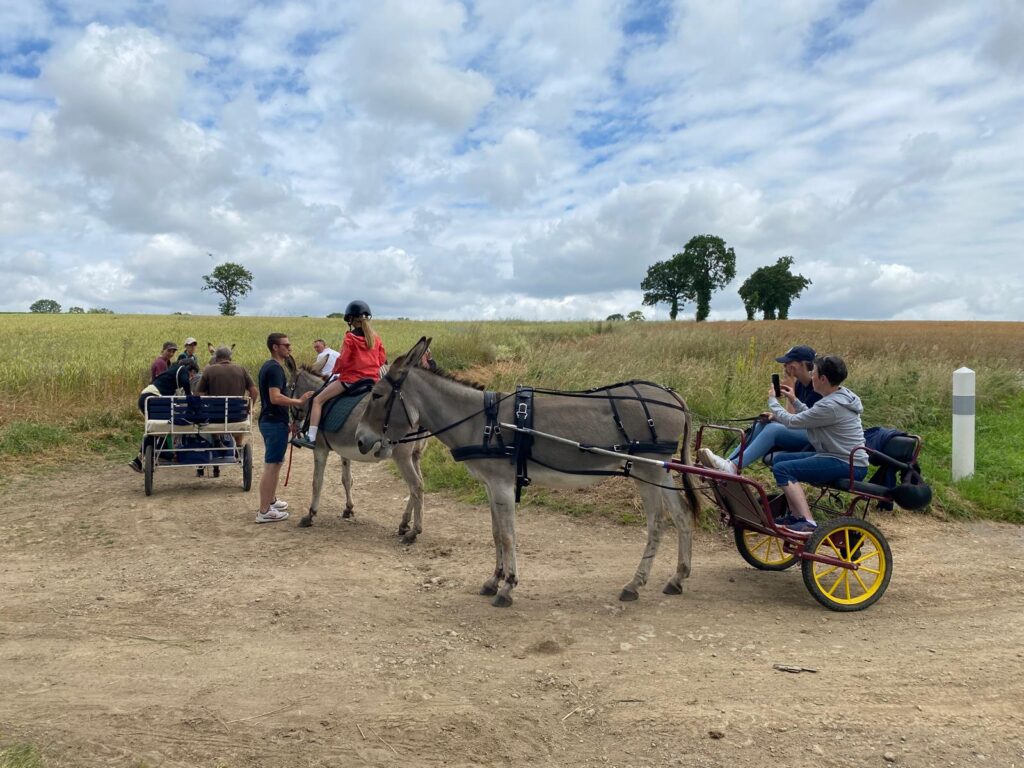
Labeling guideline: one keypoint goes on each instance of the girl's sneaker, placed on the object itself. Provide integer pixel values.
(280, 505)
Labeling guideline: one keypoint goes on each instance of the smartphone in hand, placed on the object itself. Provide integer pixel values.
(776, 385)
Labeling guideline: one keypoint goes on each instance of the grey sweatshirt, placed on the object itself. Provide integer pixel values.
(833, 424)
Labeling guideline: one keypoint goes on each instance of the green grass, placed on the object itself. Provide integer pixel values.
(20, 756)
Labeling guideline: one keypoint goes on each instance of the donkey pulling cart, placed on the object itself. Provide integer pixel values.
(846, 561)
(196, 433)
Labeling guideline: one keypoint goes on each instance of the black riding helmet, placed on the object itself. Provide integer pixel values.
(357, 309)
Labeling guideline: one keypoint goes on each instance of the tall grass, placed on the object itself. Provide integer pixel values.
(70, 370)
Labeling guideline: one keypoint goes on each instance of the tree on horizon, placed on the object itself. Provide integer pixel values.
(771, 290)
(705, 266)
(232, 281)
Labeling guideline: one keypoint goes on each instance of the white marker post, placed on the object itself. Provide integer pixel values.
(963, 423)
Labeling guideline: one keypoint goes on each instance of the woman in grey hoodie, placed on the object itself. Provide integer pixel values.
(833, 428)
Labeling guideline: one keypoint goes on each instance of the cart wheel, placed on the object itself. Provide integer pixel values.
(247, 467)
(851, 540)
(762, 551)
(147, 468)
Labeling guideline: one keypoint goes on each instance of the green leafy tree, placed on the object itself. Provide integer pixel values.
(705, 266)
(100, 311)
(336, 315)
(771, 290)
(635, 316)
(615, 317)
(667, 283)
(232, 282)
(46, 306)
(710, 266)
(76, 311)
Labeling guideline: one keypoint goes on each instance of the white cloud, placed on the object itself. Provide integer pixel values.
(510, 159)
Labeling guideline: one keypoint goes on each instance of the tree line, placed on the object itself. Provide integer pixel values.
(707, 265)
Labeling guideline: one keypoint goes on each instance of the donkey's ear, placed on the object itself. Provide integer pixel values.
(232, 347)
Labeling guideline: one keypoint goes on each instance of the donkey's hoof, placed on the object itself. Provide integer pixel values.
(673, 589)
(348, 514)
(629, 595)
(489, 589)
(306, 522)
(501, 601)
(409, 538)
(403, 529)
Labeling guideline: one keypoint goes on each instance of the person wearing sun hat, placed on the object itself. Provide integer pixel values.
(769, 435)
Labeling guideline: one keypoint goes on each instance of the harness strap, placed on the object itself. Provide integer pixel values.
(647, 413)
(492, 428)
(523, 441)
(617, 419)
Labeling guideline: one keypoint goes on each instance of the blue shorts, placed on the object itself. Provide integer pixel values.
(275, 441)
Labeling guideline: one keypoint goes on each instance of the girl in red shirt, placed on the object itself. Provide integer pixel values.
(362, 355)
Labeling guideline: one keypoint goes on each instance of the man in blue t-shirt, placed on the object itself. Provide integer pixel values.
(274, 426)
(768, 436)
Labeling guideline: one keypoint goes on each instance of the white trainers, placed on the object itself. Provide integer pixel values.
(271, 515)
(711, 461)
(280, 505)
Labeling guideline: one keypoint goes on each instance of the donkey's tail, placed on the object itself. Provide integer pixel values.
(689, 480)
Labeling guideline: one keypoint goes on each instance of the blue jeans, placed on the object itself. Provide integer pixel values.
(810, 467)
(766, 437)
(275, 441)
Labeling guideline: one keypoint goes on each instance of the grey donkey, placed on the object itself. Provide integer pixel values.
(406, 457)
(410, 395)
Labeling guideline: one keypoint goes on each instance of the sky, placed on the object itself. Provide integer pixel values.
(495, 159)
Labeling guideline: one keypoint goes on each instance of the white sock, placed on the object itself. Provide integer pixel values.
(311, 434)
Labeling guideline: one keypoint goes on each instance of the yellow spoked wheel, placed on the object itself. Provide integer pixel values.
(762, 551)
(850, 540)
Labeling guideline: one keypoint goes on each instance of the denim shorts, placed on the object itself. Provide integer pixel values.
(812, 468)
(275, 441)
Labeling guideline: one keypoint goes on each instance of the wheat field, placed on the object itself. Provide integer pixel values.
(68, 383)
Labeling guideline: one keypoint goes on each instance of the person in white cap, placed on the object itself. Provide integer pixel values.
(190, 350)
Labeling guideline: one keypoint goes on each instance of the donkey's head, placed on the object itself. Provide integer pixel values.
(389, 416)
(212, 350)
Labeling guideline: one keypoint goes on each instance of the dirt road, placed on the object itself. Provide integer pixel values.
(172, 631)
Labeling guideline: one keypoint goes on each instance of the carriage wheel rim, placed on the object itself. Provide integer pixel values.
(762, 547)
(854, 545)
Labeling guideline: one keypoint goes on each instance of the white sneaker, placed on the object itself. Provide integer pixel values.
(280, 505)
(271, 516)
(711, 461)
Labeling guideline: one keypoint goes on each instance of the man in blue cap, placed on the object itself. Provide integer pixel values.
(767, 435)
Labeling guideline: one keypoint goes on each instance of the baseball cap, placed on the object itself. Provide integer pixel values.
(170, 345)
(797, 355)
(189, 340)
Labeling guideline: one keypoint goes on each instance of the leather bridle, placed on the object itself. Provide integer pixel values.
(393, 395)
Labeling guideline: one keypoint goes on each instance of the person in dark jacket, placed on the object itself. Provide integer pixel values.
(175, 378)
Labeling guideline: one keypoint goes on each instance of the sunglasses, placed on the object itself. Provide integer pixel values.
(289, 346)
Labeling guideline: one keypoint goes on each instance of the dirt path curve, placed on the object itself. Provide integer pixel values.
(172, 631)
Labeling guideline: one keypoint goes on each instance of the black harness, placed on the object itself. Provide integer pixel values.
(493, 446)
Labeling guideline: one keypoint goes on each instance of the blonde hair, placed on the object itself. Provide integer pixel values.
(371, 337)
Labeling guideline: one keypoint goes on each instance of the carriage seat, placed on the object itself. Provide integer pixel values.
(895, 462)
(165, 415)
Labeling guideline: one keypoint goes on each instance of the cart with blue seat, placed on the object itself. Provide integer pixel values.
(192, 431)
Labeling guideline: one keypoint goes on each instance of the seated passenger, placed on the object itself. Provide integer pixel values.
(362, 355)
(166, 384)
(833, 428)
(768, 435)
